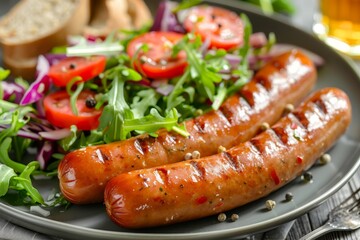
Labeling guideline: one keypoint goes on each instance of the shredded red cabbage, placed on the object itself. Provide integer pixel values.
(53, 58)
(162, 86)
(42, 83)
(12, 89)
(44, 154)
(165, 19)
(54, 135)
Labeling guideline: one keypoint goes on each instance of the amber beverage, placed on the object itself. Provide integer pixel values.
(339, 25)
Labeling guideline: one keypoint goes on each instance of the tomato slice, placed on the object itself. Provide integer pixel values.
(157, 62)
(222, 27)
(58, 111)
(87, 68)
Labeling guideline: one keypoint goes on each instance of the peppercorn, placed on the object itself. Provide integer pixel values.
(195, 154)
(72, 66)
(234, 217)
(264, 126)
(325, 158)
(289, 197)
(270, 204)
(221, 149)
(90, 102)
(222, 217)
(288, 108)
(188, 156)
(307, 176)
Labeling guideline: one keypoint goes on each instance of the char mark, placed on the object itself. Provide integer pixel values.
(199, 170)
(231, 160)
(320, 105)
(199, 125)
(227, 113)
(143, 145)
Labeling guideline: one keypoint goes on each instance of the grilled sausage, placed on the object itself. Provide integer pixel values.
(287, 79)
(197, 188)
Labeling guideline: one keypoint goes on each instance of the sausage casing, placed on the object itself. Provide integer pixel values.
(287, 79)
(197, 188)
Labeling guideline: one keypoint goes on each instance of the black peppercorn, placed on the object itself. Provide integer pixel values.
(307, 176)
(90, 102)
(289, 196)
(72, 66)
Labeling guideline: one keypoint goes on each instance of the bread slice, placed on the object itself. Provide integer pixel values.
(111, 15)
(34, 27)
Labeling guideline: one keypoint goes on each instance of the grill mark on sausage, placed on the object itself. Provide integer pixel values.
(302, 119)
(231, 160)
(198, 170)
(227, 114)
(264, 81)
(101, 155)
(249, 101)
(143, 144)
(280, 134)
(161, 175)
(199, 125)
(321, 106)
(256, 144)
(296, 120)
(250, 94)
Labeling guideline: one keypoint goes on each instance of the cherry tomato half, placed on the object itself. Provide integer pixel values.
(157, 62)
(224, 28)
(58, 111)
(87, 68)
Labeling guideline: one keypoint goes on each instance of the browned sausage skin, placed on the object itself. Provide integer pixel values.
(197, 188)
(288, 78)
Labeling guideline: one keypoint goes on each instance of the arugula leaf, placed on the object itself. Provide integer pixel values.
(24, 182)
(4, 73)
(205, 77)
(143, 100)
(5, 159)
(243, 72)
(6, 173)
(152, 122)
(117, 110)
(74, 95)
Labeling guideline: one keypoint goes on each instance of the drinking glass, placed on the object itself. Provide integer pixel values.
(338, 25)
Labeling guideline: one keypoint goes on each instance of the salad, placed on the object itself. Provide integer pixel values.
(97, 92)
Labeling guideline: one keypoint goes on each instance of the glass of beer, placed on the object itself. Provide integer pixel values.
(338, 25)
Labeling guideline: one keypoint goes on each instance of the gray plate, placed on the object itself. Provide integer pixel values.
(91, 222)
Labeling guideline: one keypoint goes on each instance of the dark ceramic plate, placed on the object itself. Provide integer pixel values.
(91, 222)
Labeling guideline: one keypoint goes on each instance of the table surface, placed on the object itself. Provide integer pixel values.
(319, 215)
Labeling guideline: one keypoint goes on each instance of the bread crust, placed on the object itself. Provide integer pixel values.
(21, 57)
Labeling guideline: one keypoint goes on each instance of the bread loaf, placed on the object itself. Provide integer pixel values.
(34, 27)
(111, 15)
